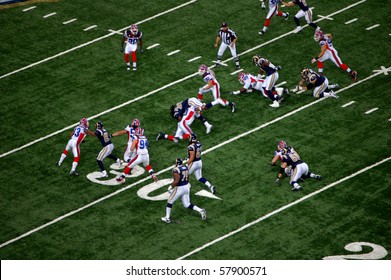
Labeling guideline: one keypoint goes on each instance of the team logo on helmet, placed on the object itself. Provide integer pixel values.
(136, 123)
(99, 125)
(134, 29)
(178, 162)
(202, 69)
(84, 122)
(318, 35)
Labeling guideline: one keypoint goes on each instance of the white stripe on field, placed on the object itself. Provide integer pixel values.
(115, 32)
(194, 58)
(237, 71)
(153, 46)
(371, 111)
(93, 41)
(69, 21)
(280, 84)
(284, 208)
(49, 15)
(348, 104)
(173, 52)
(170, 167)
(30, 8)
(149, 93)
(351, 21)
(90, 27)
(372, 27)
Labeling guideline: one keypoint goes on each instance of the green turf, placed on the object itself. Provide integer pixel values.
(51, 96)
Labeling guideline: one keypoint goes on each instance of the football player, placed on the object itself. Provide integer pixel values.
(129, 130)
(180, 108)
(140, 155)
(77, 136)
(180, 188)
(273, 11)
(304, 12)
(212, 85)
(131, 37)
(108, 147)
(271, 72)
(327, 51)
(319, 83)
(194, 151)
(299, 170)
(183, 130)
(251, 83)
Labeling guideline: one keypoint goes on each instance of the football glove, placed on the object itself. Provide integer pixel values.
(277, 181)
(313, 60)
(278, 68)
(141, 51)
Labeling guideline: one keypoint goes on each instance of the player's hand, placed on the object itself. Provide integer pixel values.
(216, 45)
(122, 49)
(141, 51)
(313, 60)
(278, 67)
(169, 189)
(277, 181)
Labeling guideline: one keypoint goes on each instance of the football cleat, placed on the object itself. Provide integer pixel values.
(74, 173)
(237, 67)
(275, 104)
(213, 189)
(286, 91)
(166, 220)
(58, 163)
(119, 162)
(318, 177)
(120, 179)
(134, 68)
(104, 175)
(295, 189)
(354, 76)
(216, 65)
(154, 177)
(232, 105)
(261, 32)
(208, 128)
(298, 29)
(287, 16)
(332, 94)
(160, 136)
(203, 214)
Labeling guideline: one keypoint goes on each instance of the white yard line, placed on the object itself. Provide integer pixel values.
(325, 17)
(304, 198)
(280, 84)
(49, 15)
(90, 27)
(69, 21)
(151, 92)
(29, 9)
(115, 32)
(170, 167)
(371, 111)
(153, 46)
(173, 52)
(351, 21)
(93, 41)
(372, 27)
(348, 104)
(236, 72)
(194, 58)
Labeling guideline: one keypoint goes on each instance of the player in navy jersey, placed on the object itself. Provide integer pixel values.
(299, 170)
(194, 152)
(304, 12)
(271, 72)
(131, 37)
(107, 150)
(228, 39)
(319, 83)
(180, 188)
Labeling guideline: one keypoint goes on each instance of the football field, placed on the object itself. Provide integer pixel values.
(61, 61)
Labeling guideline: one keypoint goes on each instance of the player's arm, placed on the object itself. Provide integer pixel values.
(275, 159)
(217, 41)
(322, 51)
(89, 132)
(208, 86)
(191, 157)
(122, 43)
(134, 144)
(118, 133)
(288, 4)
(330, 36)
(177, 178)
(281, 172)
(301, 86)
(140, 40)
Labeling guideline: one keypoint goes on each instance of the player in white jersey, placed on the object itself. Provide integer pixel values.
(303, 12)
(131, 37)
(129, 130)
(327, 51)
(228, 40)
(273, 11)
(251, 83)
(184, 130)
(77, 136)
(140, 155)
(212, 85)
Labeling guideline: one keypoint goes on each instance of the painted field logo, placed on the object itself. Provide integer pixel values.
(5, 4)
(155, 191)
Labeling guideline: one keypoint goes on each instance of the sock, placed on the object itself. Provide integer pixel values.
(100, 163)
(168, 210)
(297, 21)
(74, 165)
(206, 124)
(126, 57)
(133, 56)
(205, 181)
(63, 156)
(313, 25)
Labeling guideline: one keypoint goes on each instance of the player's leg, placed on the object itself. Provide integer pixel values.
(148, 167)
(222, 48)
(269, 84)
(272, 10)
(76, 158)
(186, 202)
(296, 18)
(174, 195)
(295, 176)
(133, 49)
(308, 18)
(337, 61)
(198, 175)
(132, 163)
(65, 152)
(235, 56)
(127, 52)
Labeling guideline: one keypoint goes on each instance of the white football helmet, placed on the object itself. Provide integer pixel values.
(202, 69)
(318, 35)
(134, 29)
(84, 122)
(241, 77)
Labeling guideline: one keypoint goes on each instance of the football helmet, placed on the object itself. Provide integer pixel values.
(192, 138)
(282, 145)
(136, 123)
(178, 162)
(139, 131)
(202, 69)
(241, 77)
(256, 59)
(305, 72)
(318, 35)
(84, 122)
(134, 29)
(99, 125)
